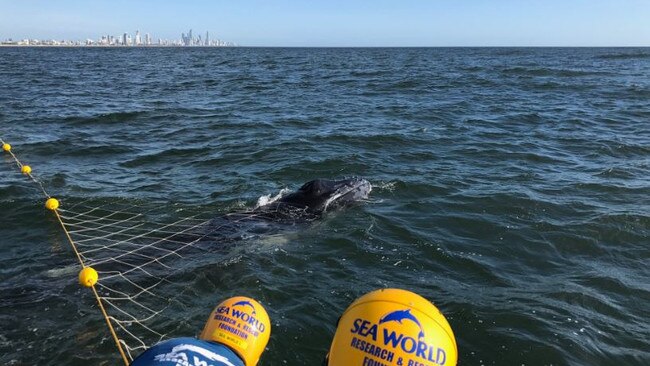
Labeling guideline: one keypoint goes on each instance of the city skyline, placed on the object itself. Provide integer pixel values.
(123, 40)
(343, 23)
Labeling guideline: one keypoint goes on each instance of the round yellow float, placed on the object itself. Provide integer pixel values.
(88, 277)
(52, 204)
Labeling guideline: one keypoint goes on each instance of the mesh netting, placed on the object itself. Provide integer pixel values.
(135, 255)
(146, 255)
(143, 256)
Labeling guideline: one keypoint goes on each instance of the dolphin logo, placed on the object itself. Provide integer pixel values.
(245, 303)
(399, 315)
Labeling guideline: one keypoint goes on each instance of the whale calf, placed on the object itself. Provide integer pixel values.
(276, 220)
(314, 198)
(310, 202)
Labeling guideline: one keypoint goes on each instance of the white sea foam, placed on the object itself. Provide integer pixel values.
(62, 271)
(267, 199)
(388, 186)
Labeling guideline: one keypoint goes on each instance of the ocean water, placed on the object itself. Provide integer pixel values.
(511, 188)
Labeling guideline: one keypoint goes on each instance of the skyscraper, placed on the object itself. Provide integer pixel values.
(124, 39)
(186, 40)
(138, 39)
(147, 39)
(207, 38)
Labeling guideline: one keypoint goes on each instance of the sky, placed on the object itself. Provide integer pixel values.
(345, 23)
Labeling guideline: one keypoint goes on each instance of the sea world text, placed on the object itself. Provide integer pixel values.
(243, 316)
(395, 340)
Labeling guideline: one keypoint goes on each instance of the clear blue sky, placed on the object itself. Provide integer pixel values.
(341, 22)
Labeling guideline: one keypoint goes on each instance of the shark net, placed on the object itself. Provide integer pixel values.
(145, 259)
(140, 257)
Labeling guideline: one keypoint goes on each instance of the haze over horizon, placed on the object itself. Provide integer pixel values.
(340, 23)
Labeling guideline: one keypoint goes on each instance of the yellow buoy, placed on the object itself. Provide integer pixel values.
(6, 147)
(52, 204)
(88, 277)
(26, 169)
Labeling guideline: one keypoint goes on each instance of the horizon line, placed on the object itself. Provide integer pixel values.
(358, 46)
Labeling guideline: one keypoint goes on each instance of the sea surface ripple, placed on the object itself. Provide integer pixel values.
(511, 188)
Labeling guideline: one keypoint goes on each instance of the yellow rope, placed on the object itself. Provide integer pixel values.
(110, 326)
(67, 234)
(74, 248)
(99, 300)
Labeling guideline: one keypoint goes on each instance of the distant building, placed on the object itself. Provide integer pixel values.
(125, 39)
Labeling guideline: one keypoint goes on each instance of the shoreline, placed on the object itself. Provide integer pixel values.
(238, 46)
(105, 46)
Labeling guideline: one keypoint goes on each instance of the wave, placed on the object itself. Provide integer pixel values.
(527, 71)
(367, 73)
(405, 84)
(79, 146)
(105, 118)
(616, 173)
(163, 156)
(624, 56)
